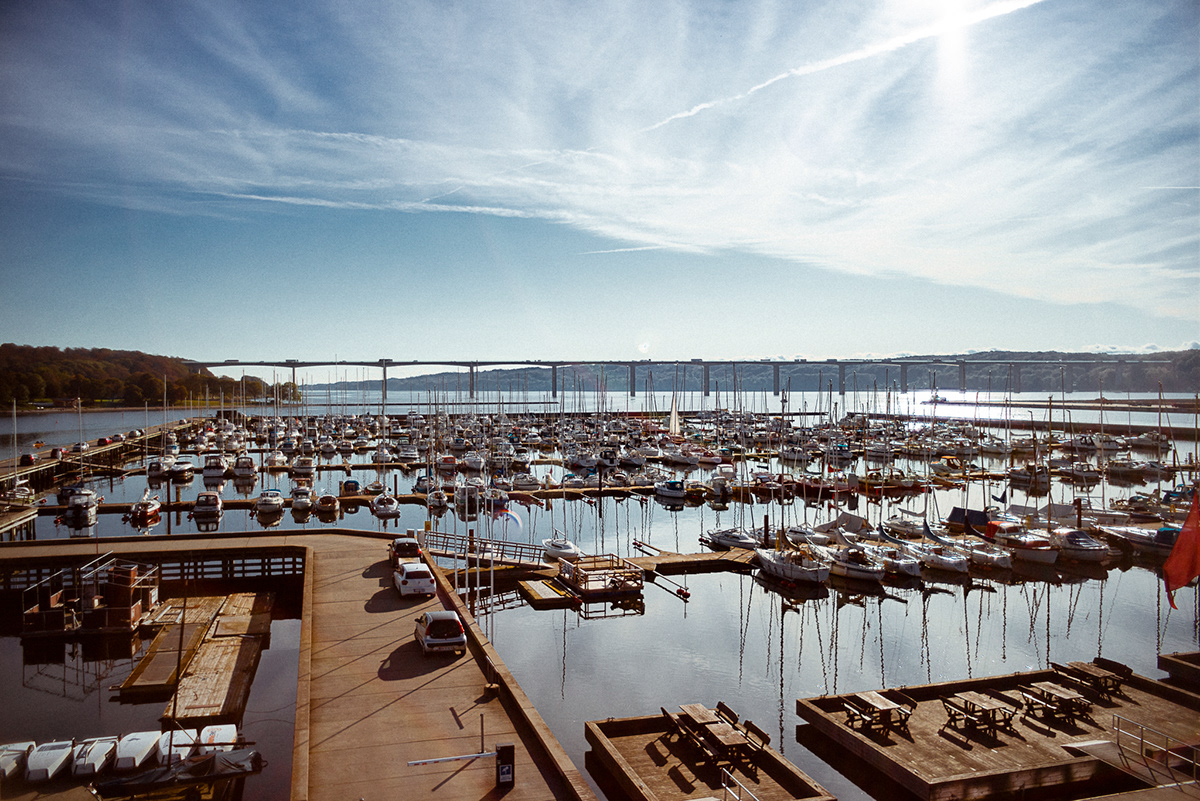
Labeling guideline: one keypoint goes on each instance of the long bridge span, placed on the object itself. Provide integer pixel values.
(1012, 366)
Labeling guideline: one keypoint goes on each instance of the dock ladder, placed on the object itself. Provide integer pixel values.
(732, 788)
(1158, 753)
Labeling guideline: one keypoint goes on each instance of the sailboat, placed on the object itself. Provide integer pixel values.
(20, 493)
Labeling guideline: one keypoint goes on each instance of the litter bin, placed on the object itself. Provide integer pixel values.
(506, 765)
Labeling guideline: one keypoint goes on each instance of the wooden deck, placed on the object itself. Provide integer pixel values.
(172, 648)
(649, 764)
(937, 762)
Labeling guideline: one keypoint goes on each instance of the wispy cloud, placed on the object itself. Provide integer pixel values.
(1060, 169)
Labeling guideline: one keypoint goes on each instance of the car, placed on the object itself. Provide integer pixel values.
(27, 459)
(440, 631)
(104, 441)
(413, 578)
(56, 453)
(135, 433)
(404, 549)
(79, 447)
(117, 437)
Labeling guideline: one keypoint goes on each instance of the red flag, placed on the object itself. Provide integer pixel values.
(1183, 564)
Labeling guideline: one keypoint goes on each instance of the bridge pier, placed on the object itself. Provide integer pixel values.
(554, 381)
(775, 381)
(383, 364)
(471, 381)
(962, 376)
(1016, 376)
(842, 379)
(903, 377)
(632, 379)
(707, 385)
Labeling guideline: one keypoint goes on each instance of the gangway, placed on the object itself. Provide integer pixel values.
(482, 551)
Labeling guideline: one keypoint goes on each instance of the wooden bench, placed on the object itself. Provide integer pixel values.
(858, 715)
(672, 724)
(723, 711)
(1034, 707)
(755, 736)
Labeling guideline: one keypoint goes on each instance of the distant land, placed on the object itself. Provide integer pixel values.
(53, 376)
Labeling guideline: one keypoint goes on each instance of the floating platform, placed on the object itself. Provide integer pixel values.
(650, 763)
(546, 594)
(173, 648)
(935, 761)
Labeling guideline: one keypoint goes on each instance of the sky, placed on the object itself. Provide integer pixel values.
(605, 180)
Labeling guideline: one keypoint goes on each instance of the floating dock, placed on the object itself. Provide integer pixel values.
(937, 761)
(648, 761)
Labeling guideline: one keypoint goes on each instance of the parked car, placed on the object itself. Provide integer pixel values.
(413, 578)
(79, 447)
(440, 631)
(404, 549)
(28, 459)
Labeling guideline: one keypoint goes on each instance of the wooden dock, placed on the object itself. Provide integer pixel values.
(938, 762)
(173, 649)
(217, 683)
(648, 762)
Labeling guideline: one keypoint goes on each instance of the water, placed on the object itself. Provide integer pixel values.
(56, 690)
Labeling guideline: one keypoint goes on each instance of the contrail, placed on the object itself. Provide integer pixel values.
(927, 32)
(621, 250)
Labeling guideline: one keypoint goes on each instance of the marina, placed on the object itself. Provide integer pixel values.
(652, 577)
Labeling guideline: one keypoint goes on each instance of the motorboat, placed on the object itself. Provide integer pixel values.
(215, 466)
(270, 501)
(176, 745)
(302, 498)
(559, 547)
(93, 756)
(525, 482)
(1077, 546)
(198, 769)
(48, 760)
(437, 499)
(423, 484)
(134, 749)
(1157, 542)
(82, 508)
(735, 537)
(156, 469)
(327, 503)
(1023, 543)
(670, 488)
(208, 506)
(146, 509)
(385, 506)
(182, 470)
(800, 565)
(13, 756)
(303, 467)
(244, 466)
(851, 563)
(276, 460)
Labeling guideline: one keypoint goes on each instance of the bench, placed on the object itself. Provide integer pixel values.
(1034, 707)
(755, 736)
(858, 715)
(672, 724)
(958, 717)
(723, 711)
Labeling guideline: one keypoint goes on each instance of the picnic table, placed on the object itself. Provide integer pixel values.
(1067, 703)
(711, 732)
(992, 712)
(1101, 679)
(872, 709)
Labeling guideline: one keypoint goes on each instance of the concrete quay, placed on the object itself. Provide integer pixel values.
(367, 701)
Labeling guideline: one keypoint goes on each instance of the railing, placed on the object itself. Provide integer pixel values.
(500, 551)
(1156, 749)
(732, 788)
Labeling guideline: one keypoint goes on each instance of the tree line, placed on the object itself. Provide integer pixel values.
(50, 375)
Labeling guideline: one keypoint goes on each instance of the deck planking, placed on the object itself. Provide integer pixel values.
(936, 762)
(170, 650)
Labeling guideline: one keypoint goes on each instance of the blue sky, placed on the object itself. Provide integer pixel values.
(602, 180)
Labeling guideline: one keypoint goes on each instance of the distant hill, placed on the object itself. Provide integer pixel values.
(1045, 371)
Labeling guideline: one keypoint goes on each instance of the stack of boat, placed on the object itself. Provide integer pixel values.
(165, 759)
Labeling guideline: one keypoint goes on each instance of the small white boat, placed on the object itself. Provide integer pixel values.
(1023, 544)
(671, 488)
(176, 745)
(182, 470)
(1077, 546)
(135, 748)
(82, 508)
(559, 547)
(1155, 542)
(851, 563)
(302, 498)
(48, 760)
(12, 758)
(270, 501)
(801, 565)
(525, 482)
(437, 499)
(735, 537)
(385, 506)
(218, 737)
(145, 509)
(93, 756)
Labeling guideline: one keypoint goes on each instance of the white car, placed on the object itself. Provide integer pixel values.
(413, 578)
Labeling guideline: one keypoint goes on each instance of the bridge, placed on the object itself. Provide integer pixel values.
(1012, 366)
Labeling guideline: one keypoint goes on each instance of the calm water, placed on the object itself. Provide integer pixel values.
(736, 640)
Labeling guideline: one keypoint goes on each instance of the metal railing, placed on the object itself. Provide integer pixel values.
(1157, 750)
(732, 788)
